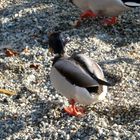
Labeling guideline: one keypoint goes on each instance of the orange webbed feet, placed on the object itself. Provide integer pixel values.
(110, 21)
(73, 110)
(87, 14)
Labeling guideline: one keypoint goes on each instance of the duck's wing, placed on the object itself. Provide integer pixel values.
(74, 73)
(92, 68)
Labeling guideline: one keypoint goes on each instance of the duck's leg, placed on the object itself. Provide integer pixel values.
(85, 15)
(7, 92)
(73, 110)
(110, 21)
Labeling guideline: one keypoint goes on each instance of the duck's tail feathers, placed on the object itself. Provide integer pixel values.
(132, 4)
(104, 82)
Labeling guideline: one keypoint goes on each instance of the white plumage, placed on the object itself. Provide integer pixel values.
(79, 94)
(106, 7)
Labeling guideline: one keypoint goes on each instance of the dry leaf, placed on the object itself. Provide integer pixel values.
(34, 36)
(7, 92)
(134, 54)
(10, 52)
(34, 66)
(26, 50)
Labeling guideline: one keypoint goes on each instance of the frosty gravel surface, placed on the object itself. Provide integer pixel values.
(36, 112)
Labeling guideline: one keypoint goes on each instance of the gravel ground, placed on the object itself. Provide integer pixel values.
(36, 112)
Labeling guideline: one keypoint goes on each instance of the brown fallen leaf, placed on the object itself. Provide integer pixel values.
(134, 54)
(10, 52)
(26, 50)
(7, 92)
(34, 66)
(34, 36)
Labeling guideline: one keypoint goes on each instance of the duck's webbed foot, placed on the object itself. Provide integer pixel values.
(84, 15)
(74, 110)
(87, 14)
(110, 21)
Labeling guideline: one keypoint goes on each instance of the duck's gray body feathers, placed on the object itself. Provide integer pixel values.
(73, 78)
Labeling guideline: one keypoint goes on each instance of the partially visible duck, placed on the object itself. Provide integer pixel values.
(76, 77)
(109, 8)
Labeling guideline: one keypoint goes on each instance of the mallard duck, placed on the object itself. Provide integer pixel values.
(76, 77)
(111, 8)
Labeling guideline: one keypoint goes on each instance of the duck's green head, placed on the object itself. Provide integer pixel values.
(57, 42)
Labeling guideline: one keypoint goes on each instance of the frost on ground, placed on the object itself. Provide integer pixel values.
(36, 112)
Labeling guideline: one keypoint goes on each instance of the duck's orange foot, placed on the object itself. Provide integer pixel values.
(84, 15)
(109, 22)
(87, 14)
(74, 111)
